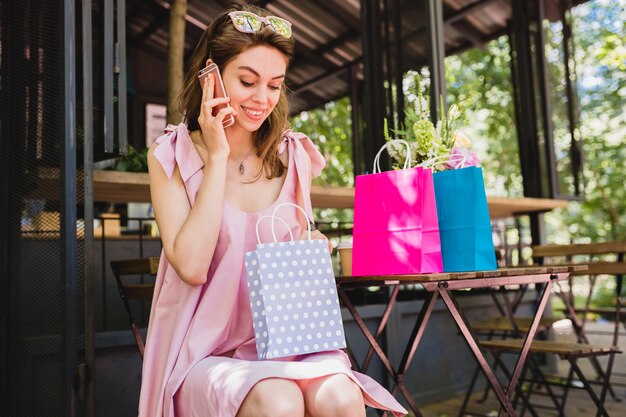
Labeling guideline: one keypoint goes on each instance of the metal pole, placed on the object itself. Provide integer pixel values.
(374, 102)
(69, 273)
(120, 70)
(108, 113)
(89, 247)
(356, 101)
(436, 58)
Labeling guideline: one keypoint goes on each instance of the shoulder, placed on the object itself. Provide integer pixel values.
(305, 150)
(177, 150)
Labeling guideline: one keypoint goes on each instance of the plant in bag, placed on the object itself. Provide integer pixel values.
(462, 211)
(441, 146)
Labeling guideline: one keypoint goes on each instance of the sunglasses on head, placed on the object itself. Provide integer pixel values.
(248, 22)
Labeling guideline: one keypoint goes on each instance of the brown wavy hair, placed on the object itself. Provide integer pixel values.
(222, 43)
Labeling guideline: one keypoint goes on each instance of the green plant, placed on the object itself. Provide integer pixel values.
(133, 161)
(427, 140)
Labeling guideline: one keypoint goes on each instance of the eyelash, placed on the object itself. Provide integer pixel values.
(246, 84)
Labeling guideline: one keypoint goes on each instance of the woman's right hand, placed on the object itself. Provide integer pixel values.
(213, 134)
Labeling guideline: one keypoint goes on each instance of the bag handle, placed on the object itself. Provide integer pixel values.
(407, 160)
(443, 159)
(306, 216)
(258, 236)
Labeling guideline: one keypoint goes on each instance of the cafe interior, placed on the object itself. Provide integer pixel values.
(86, 81)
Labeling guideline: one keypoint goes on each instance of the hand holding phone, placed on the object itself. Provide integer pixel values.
(219, 92)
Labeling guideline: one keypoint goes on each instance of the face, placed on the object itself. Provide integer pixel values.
(253, 80)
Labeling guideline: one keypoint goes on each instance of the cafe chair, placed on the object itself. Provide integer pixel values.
(571, 352)
(502, 327)
(129, 275)
(605, 258)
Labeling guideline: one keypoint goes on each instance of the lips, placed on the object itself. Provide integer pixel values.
(252, 113)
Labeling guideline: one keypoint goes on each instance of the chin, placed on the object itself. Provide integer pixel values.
(250, 125)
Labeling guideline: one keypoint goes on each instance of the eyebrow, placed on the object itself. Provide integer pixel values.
(245, 67)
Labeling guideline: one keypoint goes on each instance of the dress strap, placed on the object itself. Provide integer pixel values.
(303, 151)
(175, 147)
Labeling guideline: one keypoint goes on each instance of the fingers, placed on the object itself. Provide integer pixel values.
(208, 88)
(203, 85)
(207, 105)
(219, 117)
(316, 234)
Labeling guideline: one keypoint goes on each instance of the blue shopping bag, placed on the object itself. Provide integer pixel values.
(464, 222)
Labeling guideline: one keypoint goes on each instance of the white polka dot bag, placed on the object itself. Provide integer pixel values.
(293, 295)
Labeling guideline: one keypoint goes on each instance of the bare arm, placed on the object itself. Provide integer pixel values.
(189, 234)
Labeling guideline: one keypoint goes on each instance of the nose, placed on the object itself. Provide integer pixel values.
(260, 94)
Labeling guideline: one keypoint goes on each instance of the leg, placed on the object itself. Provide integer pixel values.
(331, 396)
(263, 401)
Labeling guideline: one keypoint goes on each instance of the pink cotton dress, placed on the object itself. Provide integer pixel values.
(200, 357)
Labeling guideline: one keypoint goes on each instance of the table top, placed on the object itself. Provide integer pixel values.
(455, 276)
(125, 187)
(119, 187)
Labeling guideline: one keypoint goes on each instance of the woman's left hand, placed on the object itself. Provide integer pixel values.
(316, 234)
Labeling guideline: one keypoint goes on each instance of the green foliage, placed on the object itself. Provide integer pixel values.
(600, 34)
(481, 79)
(427, 141)
(330, 129)
(133, 161)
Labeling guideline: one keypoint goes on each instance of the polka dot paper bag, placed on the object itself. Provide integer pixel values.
(293, 296)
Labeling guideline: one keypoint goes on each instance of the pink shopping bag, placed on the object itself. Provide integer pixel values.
(396, 230)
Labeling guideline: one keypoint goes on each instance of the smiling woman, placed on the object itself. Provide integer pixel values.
(209, 186)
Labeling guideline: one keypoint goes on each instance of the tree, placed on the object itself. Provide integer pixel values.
(330, 129)
(479, 80)
(175, 57)
(600, 34)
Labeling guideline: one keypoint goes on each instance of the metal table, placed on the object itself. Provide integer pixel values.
(442, 285)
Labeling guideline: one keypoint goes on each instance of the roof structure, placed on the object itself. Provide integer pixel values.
(328, 35)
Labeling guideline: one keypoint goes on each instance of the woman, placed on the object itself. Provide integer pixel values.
(209, 186)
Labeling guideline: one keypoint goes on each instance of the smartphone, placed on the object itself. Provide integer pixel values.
(220, 91)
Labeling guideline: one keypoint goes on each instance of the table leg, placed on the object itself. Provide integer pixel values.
(530, 336)
(366, 332)
(398, 377)
(411, 348)
(471, 341)
(381, 326)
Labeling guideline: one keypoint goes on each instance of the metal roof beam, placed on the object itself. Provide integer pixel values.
(338, 41)
(156, 23)
(322, 78)
(338, 8)
(468, 9)
(451, 18)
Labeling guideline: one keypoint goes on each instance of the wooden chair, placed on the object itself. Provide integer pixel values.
(567, 351)
(124, 271)
(595, 256)
(602, 259)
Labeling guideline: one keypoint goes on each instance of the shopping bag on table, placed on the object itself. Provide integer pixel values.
(395, 221)
(464, 222)
(293, 296)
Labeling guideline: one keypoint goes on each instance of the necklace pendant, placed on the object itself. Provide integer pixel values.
(241, 168)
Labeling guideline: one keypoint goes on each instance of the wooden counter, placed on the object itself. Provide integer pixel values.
(124, 187)
(120, 187)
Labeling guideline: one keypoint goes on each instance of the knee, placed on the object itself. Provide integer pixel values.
(283, 406)
(342, 397)
(273, 398)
